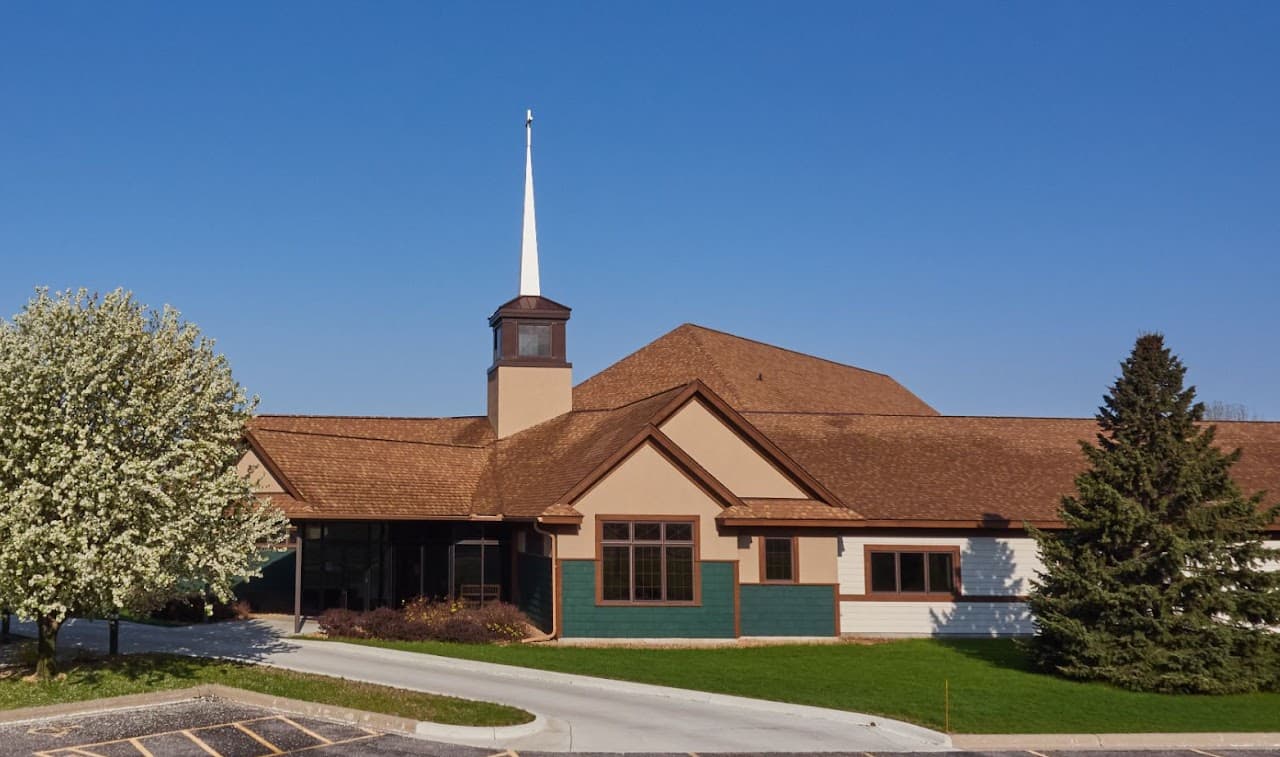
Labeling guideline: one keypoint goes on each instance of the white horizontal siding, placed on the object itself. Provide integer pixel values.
(935, 619)
(989, 566)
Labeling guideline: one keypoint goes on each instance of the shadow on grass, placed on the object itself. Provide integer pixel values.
(150, 670)
(1007, 654)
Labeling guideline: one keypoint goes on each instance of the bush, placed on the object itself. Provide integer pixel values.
(423, 619)
(341, 623)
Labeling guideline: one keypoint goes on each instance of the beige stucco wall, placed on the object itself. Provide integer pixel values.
(817, 556)
(818, 560)
(521, 396)
(251, 467)
(726, 455)
(646, 483)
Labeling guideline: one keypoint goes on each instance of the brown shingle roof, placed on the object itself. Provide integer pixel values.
(356, 468)
(972, 470)
(754, 509)
(901, 463)
(749, 375)
(531, 470)
(471, 430)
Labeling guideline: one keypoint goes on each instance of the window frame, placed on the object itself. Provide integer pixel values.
(795, 560)
(551, 340)
(896, 550)
(692, 520)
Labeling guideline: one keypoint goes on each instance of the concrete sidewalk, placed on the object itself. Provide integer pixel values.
(583, 714)
(1116, 742)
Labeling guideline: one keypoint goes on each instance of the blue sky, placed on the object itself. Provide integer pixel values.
(988, 201)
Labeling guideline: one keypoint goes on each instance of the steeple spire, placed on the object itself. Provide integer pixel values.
(529, 284)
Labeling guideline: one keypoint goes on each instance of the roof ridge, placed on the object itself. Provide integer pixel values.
(369, 438)
(927, 417)
(659, 393)
(793, 352)
(973, 417)
(711, 359)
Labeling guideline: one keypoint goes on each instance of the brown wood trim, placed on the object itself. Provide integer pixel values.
(529, 362)
(784, 522)
(652, 435)
(560, 520)
(869, 549)
(975, 598)
(737, 601)
(289, 487)
(795, 560)
(691, 468)
(986, 523)
(914, 525)
(697, 554)
(740, 425)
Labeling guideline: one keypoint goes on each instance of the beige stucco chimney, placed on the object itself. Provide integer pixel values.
(530, 380)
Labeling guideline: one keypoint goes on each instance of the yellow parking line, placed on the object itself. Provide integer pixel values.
(307, 731)
(1206, 754)
(200, 743)
(336, 743)
(274, 749)
(141, 749)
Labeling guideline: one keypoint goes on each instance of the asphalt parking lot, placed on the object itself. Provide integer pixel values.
(212, 728)
(207, 728)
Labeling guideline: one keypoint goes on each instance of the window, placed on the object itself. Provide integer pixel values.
(646, 561)
(778, 559)
(534, 339)
(919, 571)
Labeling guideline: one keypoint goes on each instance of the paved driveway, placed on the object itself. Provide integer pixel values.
(583, 714)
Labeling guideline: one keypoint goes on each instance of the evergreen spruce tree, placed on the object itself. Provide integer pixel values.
(1159, 580)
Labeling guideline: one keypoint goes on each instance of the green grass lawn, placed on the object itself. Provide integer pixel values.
(93, 678)
(992, 689)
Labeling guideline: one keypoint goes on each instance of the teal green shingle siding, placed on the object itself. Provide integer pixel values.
(534, 574)
(583, 618)
(788, 610)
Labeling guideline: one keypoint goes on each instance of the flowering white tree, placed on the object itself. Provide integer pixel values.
(120, 429)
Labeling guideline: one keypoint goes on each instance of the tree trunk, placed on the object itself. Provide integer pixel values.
(46, 645)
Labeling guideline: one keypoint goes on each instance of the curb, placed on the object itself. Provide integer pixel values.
(926, 736)
(1005, 741)
(481, 735)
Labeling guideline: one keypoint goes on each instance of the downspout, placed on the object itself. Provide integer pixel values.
(555, 589)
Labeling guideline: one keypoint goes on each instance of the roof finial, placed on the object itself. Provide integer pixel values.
(529, 284)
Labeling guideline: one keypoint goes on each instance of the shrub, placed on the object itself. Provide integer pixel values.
(341, 623)
(383, 623)
(503, 622)
(423, 619)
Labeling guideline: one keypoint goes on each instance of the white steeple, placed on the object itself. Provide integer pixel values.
(529, 285)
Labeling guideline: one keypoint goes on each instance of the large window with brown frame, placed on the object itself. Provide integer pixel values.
(647, 561)
(913, 572)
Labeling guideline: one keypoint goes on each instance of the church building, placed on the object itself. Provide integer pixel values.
(705, 486)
